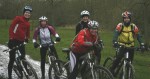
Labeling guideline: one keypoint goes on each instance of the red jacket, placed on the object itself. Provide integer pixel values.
(78, 45)
(19, 29)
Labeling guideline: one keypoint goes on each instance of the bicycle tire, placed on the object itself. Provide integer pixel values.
(18, 71)
(102, 73)
(57, 70)
(85, 72)
(31, 71)
(128, 75)
(108, 62)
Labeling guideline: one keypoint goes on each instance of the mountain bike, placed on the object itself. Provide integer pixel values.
(125, 67)
(91, 69)
(21, 66)
(54, 71)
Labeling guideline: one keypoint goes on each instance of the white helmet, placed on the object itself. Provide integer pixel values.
(93, 24)
(126, 14)
(85, 13)
(43, 18)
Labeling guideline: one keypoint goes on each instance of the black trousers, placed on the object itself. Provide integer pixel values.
(12, 56)
(43, 52)
(74, 73)
(98, 54)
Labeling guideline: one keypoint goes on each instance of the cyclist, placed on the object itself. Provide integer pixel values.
(84, 24)
(84, 21)
(19, 32)
(125, 34)
(82, 43)
(43, 32)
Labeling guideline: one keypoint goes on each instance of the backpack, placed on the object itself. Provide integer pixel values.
(132, 29)
(126, 34)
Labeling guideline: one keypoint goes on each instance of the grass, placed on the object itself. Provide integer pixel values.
(141, 60)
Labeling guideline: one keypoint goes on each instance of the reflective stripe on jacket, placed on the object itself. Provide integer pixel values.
(19, 29)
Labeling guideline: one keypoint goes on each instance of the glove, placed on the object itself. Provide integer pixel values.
(58, 39)
(26, 40)
(101, 43)
(11, 44)
(115, 44)
(36, 45)
(142, 47)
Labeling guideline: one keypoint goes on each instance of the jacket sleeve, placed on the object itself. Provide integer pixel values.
(12, 27)
(35, 35)
(116, 32)
(137, 34)
(53, 31)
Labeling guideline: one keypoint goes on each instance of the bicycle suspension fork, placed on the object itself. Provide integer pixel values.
(126, 61)
(20, 61)
(91, 64)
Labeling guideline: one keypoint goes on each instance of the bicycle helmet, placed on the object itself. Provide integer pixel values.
(27, 8)
(126, 14)
(85, 13)
(42, 18)
(93, 24)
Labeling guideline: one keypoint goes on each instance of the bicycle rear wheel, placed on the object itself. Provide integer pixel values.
(57, 70)
(30, 70)
(128, 73)
(102, 73)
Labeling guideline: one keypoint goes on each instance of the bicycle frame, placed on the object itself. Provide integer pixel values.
(126, 60)
(123, 64)
(51, 58)
(88, 58)
(50, 55)
(19, 62)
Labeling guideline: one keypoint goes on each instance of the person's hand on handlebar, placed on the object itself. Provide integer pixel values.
(36, 45)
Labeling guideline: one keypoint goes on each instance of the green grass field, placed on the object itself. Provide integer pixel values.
(141, 60)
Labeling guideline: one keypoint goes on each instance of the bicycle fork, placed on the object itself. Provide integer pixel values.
(24, 70)
(128, 71)
(92, 70)
(124, 71)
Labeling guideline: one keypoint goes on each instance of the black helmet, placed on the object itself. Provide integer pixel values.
(27, 8)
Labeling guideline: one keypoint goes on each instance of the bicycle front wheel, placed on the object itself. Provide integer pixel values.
(108, 62)
(102, 73)
(57, 70)
(128, 72)
(30, 70)
(18, 71)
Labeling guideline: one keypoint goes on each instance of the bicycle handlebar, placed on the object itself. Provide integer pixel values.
(40, 46)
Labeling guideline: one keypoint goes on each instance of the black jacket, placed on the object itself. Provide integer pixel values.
(81, 25)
